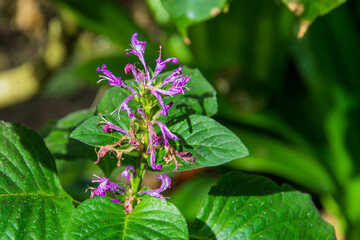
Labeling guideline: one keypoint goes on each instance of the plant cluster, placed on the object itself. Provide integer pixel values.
(160, 122)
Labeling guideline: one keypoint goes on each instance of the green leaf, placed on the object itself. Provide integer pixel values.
(244, 206)
(91, 133)
(113, 98)
(189, 12)
(152, 218)
(199, 98)
(32, 202)
(57, 137)
(309, 10)
(211, 143)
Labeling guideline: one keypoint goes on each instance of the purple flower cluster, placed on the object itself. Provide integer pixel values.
(148, 90)
(174, 84)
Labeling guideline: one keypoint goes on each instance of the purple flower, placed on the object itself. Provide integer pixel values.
(138, 48)
(167, 107)
(125, 106)
(153, 140)
(113, 80)
(178, 86)
(165, 184)
(129, 68)
(105, 185)
(127, 174)
(109, 126)
(161, 65)
(166, 133)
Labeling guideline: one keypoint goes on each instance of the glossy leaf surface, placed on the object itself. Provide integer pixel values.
(32, 202)
(153, 218)
(189, 12)
(257, 208)
(211, 143)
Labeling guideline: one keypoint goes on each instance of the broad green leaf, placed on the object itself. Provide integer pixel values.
(57, 137)
(309, 10)
(152, 218)
(199, 98)
(91, 132)
(189, 12)
(244, 206)
(32, 203)
(211, 143)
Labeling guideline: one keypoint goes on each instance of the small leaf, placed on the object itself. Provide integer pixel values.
(308, 11)
(244, 206)
(211, 143)
(152, 218)
(189, 12)
(32, 202)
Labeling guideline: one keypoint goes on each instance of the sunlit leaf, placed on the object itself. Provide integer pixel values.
(244, 206)
(152, 218)
(32, 202)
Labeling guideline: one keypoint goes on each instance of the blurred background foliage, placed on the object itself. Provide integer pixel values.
(287, 84)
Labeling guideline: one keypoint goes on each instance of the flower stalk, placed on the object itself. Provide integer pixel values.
(147, 91)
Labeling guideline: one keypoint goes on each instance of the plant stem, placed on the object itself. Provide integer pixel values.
(140, 173)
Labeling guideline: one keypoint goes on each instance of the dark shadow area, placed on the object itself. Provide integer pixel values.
(200, 230)
(244, 184)
(188, 109)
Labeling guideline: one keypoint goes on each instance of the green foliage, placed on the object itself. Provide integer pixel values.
(256, 208)
(189, 12)
(309, 10)
(32, 202)
(153, 218)
(92, 134)
(211, 143)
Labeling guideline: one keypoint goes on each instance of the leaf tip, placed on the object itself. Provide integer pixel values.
(296, 7)
(187, 40)
(304, 25)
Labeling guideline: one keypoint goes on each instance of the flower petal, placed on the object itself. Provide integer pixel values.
(161, 65)
(166, 133)
(165, 184)
(126, 173)
(161, 112)
(152, 159)
(138, 48)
